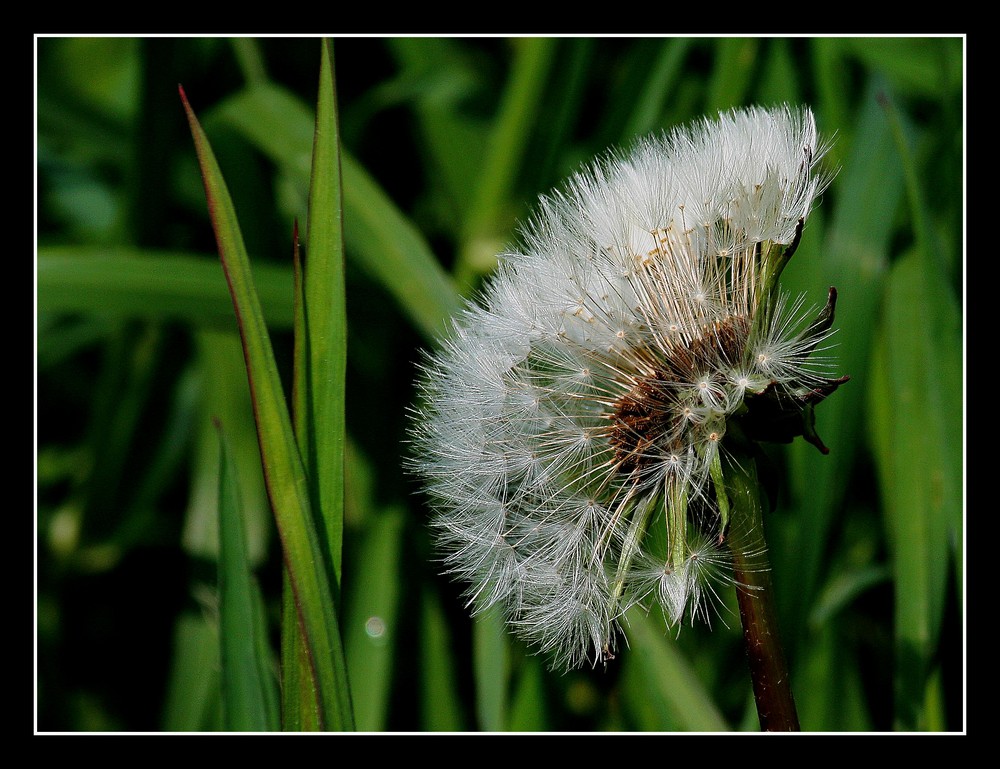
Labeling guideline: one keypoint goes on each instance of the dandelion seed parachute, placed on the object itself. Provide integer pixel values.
(570, 426)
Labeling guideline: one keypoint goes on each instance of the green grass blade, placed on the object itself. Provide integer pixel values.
(249, 688)
(488, 224)
(735, 62)
(371, 620)
(325, 323)
(436, 76)
(853, 257)
(831, 703)
(441, 708)
(922, 486)
(919, 404)
(283, 470)
(320, 370)
(779, 81)
(662, 675)
(393, 250)
(131, 283)
(382, 240)
(650, 106)
(528, 712)
(491, 668)
(222, 387)
(299, 706)
(192, 700)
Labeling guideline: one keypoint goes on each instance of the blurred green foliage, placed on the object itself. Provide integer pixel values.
(447, 143)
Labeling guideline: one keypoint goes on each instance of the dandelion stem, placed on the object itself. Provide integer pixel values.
(768, 670)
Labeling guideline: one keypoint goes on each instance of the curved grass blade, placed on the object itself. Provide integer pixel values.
(382, 240)
(283, 470)
(665, 675)
(249, 688)
(487, 228)
(392, 249)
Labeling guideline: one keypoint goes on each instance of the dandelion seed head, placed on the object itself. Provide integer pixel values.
(592, 384)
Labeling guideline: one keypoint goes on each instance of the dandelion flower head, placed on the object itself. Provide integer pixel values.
(572, 426)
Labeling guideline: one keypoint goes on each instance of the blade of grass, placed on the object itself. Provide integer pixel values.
(491, 668)
(853, 257)
(440, 706)
(832, 703)
(923, 484)
(918, 400)
(321, 396)
(779, 80)
(394, 251)
(371, 624)
(736, 59)
(488, 224)
(665, 675)
(249, 688)
(648, 109)
(436, 77)
(131, 283)
(283, 470)
(299, 706)
(222, 387)
(320, 368)
(528, 712)
(192, 701)
(378, 235)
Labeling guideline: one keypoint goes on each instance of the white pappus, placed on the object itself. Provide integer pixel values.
(571, 428)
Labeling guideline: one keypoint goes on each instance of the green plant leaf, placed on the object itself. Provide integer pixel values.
(528, 711)
(193, 697)
(132, 283)
(223, 391)
(440, 706)
(922, 487)
(853, 258)
(831, 703)
(321, 396)
(371, 624)
(736, 59)
(392, 249)
(663, 675)
(491, 668)
(647, 110)
(320, 361)
(249, 686)
(917, 401)
(436, 76)
(283, 470)
(488, 223)
(378, 235)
